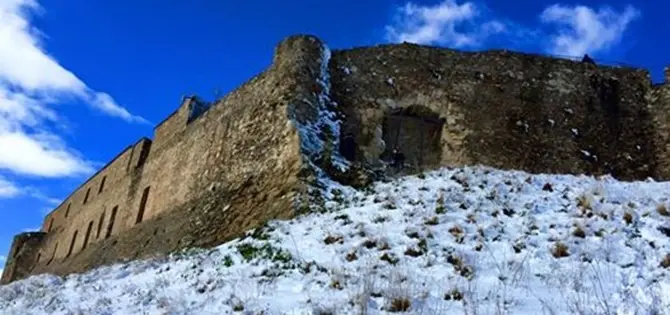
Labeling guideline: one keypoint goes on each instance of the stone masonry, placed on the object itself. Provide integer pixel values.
(213, 171)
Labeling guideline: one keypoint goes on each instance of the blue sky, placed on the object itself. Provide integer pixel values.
(81, 79)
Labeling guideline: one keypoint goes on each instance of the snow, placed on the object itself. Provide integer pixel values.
(471, 240)
(311, 144)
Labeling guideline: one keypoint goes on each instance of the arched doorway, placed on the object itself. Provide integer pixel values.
(417, 132)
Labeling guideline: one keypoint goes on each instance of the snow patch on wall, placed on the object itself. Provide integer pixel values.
(311, 142)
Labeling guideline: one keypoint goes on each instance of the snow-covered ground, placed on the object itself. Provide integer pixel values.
(462, 241)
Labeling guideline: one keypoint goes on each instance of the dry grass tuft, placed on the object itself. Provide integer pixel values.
(628, 218)
(440, 208)
(454, 294)
(560, 250)
(331, 239)
(665, 263)
(399, 304)
(335, 284)
(432, 221)
(351, 256)
(579, 232)
(585, 203)
(458, 233)
(460, 267)
(369, 243)
(413, 252)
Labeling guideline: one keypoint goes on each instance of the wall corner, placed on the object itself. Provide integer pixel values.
(23, 256)
(296, 48)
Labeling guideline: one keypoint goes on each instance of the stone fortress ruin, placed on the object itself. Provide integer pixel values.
(213, 171)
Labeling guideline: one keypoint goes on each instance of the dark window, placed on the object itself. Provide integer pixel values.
(88, 234)
(51, 224)
(143, 203)
(102, 184)
(110, 226)
(88, 192)
(67, 211)
(74, 239)
(102, 218)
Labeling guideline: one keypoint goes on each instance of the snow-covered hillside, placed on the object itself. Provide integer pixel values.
(462, 241)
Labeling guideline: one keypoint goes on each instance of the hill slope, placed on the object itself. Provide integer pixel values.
(455, 241)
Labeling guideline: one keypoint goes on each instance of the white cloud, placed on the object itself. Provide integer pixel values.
(583, 30)
(8, 189)
(25, 64)
(448, 23)
(30, 81)
(571, 30)
(40, 154)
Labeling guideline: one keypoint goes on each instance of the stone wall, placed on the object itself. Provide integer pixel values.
(660, 106)
(216, 170)
(498, 108)
(23, 255)
(201, 181)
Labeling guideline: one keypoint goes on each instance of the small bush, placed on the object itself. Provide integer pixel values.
(662, 209)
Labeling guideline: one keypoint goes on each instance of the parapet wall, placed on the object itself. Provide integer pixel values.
(204, 179)
(213, 171)
(498, 108)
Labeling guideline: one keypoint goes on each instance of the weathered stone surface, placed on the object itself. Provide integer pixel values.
(230, 169)
(497, 108)
(659, 102)
(212, 172)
